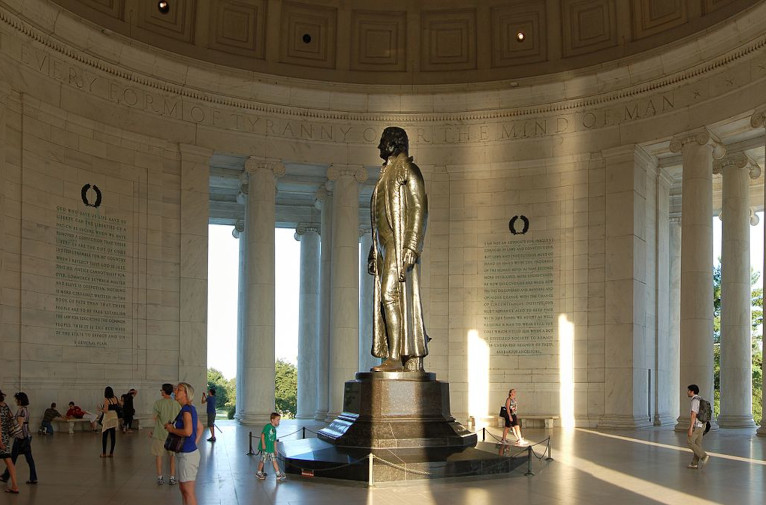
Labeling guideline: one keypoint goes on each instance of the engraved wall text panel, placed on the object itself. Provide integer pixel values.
(92, 302)
(239, 27)
(308, 35)
(510, 20)
(378, 41)
(177, 24)
(448, 40)
(655, 16)
(518, 316)
(587, 26)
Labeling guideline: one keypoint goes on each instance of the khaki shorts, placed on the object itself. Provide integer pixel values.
(187, 464)
(158, 448)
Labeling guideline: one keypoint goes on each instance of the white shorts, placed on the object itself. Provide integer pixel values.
(187, 464)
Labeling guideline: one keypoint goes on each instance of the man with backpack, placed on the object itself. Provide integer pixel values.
(700, 416)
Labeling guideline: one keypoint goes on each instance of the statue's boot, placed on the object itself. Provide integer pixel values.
(390, 365)
(414, 364)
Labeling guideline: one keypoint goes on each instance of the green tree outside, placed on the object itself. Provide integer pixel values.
(757, 340)
(286, 388)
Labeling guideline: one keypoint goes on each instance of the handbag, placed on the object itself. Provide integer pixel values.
(174, 443)
(503, 412)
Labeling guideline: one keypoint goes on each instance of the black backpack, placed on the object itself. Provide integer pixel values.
(705, 411)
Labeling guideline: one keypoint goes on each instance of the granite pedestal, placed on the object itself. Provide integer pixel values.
(403, 419)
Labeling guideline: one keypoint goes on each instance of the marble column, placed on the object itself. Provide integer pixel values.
(308, 319)
(758, 120)
(344, 295)
(324, 202)
(697, 148)
(258, 353)
(195, 182)
(736, 357)
(239, 233)
(627, 349)
(672, 353)
(366, 359)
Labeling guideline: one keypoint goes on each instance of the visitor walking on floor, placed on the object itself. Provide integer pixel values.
(511, 421)
(110, 421)
(22, 444)
(7, 422)
(165, 411)
(209, 402)
(187, 425)
(697, 424)
(268, 448)
(128, 411)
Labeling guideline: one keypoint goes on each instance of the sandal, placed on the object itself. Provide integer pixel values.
(12, 491)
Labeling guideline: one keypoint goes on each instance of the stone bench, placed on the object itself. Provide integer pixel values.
(70, 424)
(546, 418)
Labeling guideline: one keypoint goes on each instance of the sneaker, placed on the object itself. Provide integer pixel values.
(211, 439)
(702, 462)
(160, 481)
(692, 466)
(281, 477)
(260, 475)
(172, 481)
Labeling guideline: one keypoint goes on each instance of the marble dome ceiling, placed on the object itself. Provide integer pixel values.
(406, 42)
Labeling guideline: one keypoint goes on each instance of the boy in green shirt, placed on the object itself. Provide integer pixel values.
(268, 448)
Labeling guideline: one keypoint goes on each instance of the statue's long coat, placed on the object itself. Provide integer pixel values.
(406, 211)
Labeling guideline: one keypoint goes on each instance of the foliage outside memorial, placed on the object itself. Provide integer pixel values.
(286, 388)
(757, 340)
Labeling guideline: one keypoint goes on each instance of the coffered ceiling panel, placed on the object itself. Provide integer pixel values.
(588, 26)
(308, 35)
(239, 27)
(655, 16)
(709, 6)
(508, 21)
(448, 40)
(379, 41)
(113, 8)
(177, 23)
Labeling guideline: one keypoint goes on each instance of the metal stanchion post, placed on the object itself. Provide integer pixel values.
(250, 437)
(484, 434)
(370, 477)
(550, 455)
(304, 432)
(529, 461)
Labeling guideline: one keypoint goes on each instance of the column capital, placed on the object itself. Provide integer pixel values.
(358, 172)
(754, 220)
(255, 163)
(322, 196)
(758, 119)
(364, 230)
(239, 228)
(737, 160)
(304, 228)
(701, 137)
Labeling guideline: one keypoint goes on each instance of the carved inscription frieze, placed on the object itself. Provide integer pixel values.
(91, 278)
(518, 297)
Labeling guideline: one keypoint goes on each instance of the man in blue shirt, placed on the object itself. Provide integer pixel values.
(209, 402)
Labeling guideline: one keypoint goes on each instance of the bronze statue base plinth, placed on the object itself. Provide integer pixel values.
(396, 410)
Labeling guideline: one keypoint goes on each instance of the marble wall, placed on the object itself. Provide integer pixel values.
(584, 159)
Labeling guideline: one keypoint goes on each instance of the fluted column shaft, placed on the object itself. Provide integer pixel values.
(674, 314)
(239, 233)
(758, 120)
(258, 380)
(308, 320)
(736, 359)
(697, 150)
(344, 296)
(325, 203)
(366, 359)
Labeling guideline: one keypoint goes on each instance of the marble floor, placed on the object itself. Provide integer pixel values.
(589, 467)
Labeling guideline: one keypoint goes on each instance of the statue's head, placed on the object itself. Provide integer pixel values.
(393, 141)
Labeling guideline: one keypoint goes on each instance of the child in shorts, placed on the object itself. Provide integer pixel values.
(268, 447)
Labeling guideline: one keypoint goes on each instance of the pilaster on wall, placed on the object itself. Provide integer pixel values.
(626, 344)
(192, 361)
(9, 331)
